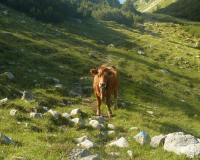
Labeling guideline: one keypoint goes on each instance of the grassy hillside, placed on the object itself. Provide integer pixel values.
(152, 5)
(158, 63)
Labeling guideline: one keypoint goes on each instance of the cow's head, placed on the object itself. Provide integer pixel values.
(103, 74)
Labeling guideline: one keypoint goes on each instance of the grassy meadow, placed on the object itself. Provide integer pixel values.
(158, 63)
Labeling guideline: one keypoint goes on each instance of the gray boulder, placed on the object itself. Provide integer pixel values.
(182, 144)
(99, 118)
(9, 75)
(54, 113)
(78, 121)
(75, 112)
(66, 115)
(122, 142)
(77, 154)
(87, 144)
(6, 139)
(95, 124)
(143, 138)
(81, 139)
(157, 141)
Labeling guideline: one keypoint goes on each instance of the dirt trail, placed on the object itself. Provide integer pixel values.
(152, 5)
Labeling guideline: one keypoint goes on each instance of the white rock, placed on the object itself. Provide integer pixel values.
(165, 71)
(54, 113)
(75, 112)
(6, 139)
(4, 100)
(66, 115)
(130, 153)
(109, 132)
(78, 121)
(95, 124)
(111, 126)
(134, 128)
(37, 115)
(150, 112)
(143, 138)
(81, 139)
(10, 76)
(77, 153)
(13, 112)
(58, 86)
(122, 142)
(157, 141)
(182, 144)
(87, 144)
(15, 157)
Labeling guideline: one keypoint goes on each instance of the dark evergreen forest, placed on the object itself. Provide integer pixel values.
(56, 11)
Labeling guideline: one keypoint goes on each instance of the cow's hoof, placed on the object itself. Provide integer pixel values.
(109, 115)
(98, 114)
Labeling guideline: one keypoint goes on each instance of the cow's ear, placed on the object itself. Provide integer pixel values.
(93, 72)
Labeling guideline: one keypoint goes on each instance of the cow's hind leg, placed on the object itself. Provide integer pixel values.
(98, 105)
(108, 105)
(115, 99)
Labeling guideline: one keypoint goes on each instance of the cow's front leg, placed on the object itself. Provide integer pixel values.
(108, 105)
(98, 105)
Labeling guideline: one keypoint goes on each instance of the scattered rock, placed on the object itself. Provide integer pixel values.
(4, 100)
(63, 128)
(95, 124)
(6, 139)
(150, 112)
(27, 96)
(130, 153)
(109, 132)
(54, 113)
(66, 115)
(37, 115)
(111, 126)
(78, 121)
(77, 154)
(8, 74)
(134, 128)
(75, 111)
(56, 80)
(87, 144)
(182, 144)
(143, 138)
(165, 71)
(5, 12)
(58, 86)
(81, 139)
(122, 142)
(99, 118)
(157, 141)
(13, 112)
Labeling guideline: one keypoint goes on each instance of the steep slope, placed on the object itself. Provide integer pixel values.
(159, 67)
(152, 5)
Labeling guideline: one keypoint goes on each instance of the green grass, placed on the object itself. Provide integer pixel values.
(63, 51)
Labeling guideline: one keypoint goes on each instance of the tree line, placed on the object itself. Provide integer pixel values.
(56, 11)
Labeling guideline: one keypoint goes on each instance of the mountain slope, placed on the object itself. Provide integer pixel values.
(159, 67)
(152, 5)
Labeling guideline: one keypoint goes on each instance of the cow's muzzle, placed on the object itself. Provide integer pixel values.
(102, 85)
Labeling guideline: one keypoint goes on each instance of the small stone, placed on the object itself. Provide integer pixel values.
(134, 128)
(87, 144)
(91, 157)
(114, 154)
(6, 139)
(95, 124)
(13, 112)
(10, 76)
(62, 128)
(150, 112)
(99, 118)
(54, 113)
(81, 139)
(66, 115)
(111, 126)
(77, 153)
(58, 86)
(37, 115)
(75, 112)
(4, 100)
(27, 96)
(78, 121)
(130, 153)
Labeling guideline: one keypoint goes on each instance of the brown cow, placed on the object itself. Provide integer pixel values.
(106, 81)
